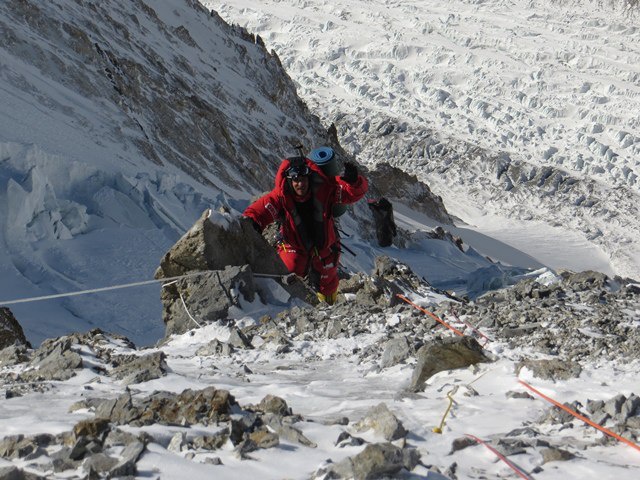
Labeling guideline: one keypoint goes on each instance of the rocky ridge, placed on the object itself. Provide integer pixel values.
(583, 316)
(559, 323)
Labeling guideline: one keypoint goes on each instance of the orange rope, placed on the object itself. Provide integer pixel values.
(520, 473)
(548, 399)
(473, 329)
(435, 317)
(580, 417)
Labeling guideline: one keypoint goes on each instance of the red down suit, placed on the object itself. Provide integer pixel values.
(300, 250)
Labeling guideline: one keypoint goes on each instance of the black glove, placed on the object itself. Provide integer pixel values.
(254, 224)
(350, 173)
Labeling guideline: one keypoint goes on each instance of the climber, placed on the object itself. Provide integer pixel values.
(303, 202)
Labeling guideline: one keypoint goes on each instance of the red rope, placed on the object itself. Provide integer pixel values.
(580, 417)
(435, 317)
(473, 329)
(520, 473)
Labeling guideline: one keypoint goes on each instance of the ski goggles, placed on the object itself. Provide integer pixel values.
(298, 171)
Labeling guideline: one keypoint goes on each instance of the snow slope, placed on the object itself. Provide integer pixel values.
(521, 110)
(119, 126)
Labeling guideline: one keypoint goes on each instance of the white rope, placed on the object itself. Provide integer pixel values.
(103, 289)
(187, 310)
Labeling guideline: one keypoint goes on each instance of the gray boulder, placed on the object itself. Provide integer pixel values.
(405, 188)
(207, 298)
(630, 407)
(178, 442)
(395, 351)
(378, 460)
(264, 439)
(127, 464)
(215, 347)
(239, 340)
(92, 427)
(142, 368)
(120, 411)
(14, 473)
(556, 455)
(211, 442)
(11, 332)
(552, 369)
(54, 360)
(215, 241)
(13, 354)
(445, 354)
(99, 463)
(345, 439)
(285, 430)
(275, 405)
(383, 422)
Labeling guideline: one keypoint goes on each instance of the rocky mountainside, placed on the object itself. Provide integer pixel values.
(120, 423)
(121, 123)
(173, 85)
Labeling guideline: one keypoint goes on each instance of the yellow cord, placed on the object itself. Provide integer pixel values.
(442, 422)
(450, 397)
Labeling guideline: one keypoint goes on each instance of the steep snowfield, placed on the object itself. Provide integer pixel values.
(527, 111)
(119, 126)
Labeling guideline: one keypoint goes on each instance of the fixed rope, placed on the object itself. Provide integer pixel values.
(432, 315)
(469, 325)
(581, 417)
(450, 395)
(511, 465)
(101, 289)
(286, 279)
(550, 400)
(444, 417)
(183, 303)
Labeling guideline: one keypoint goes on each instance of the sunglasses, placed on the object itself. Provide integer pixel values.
(299, 171)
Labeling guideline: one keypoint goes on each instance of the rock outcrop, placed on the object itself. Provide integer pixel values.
(400, 186)
(11, 332)
(377, 460)
(446, 354)
(383, 422)
(576, 317)
(220, 257)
